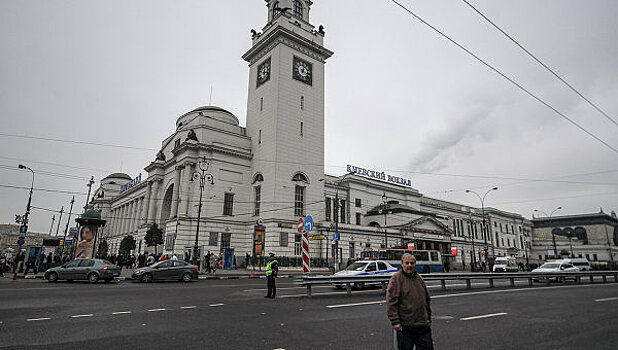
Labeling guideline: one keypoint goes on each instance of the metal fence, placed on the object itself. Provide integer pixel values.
(359, 281)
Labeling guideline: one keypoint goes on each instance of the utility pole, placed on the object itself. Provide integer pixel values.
(52, 225)
(203, 177)
(89, 189)
(385, 205)
(59, 220)
(66, 228)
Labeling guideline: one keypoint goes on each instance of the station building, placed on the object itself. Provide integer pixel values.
(238, 175)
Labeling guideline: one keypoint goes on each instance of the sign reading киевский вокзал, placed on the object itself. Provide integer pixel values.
(379, 176)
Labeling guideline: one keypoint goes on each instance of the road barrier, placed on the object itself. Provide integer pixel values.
(360, 281)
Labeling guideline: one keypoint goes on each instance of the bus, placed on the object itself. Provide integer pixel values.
(426, 260)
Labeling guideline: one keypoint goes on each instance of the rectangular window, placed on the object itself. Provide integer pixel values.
(297, 245)
(327, 209)
(177, 143)
(357, 202)
(283, 239)
(214, 238)
(299, 201)
(358, 218)
(596, 258)
(226, 239)
(261, 103)
(302, 102)
(260, 137)
(301, 128)
(352, 253)
(258, 199)
(342, 208)
(228, 204)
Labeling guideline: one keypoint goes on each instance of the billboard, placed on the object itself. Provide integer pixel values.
(85, 244)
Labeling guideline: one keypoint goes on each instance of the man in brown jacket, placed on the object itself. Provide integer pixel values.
(408, 307)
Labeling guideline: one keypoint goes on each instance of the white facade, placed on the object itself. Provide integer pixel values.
(274, 170)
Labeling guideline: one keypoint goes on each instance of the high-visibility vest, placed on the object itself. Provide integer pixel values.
(269, 270)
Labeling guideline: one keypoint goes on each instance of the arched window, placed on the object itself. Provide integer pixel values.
(298, 9)
(300, 177)
(257, 178)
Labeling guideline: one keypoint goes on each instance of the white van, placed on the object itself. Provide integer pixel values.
(581, 263)
(505, 264)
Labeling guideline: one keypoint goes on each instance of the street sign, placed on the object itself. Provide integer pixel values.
(308, 223)
(73, 232)
(301, 225)
(23, 229)
(260, 222)
(316, 237)
(335, 236)
(410, 246)
(20, 241)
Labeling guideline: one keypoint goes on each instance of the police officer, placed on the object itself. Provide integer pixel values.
(272, 267)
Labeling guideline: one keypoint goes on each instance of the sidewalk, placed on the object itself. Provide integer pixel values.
(125, 274)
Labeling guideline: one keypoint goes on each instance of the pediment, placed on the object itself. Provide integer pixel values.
(427, 224)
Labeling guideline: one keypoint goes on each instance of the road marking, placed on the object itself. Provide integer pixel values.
(215, 305)
(121, 312)
(188, 307)
(483, 316)
(78, 316)
(38, 319)
(155, 310)
(607, 299)
(356, 304)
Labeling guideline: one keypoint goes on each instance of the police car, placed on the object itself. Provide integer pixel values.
(365, 268)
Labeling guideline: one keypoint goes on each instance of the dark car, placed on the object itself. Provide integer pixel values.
(91, 270)
(166, 270)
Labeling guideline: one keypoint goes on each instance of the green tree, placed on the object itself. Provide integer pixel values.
(127, 245)
(154, 236)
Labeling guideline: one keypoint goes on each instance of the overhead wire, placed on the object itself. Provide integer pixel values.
(542, 64)
(512, 81)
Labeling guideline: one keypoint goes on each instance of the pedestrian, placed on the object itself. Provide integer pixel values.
(207, 262)
(247, 257)
(174, 257)
(272, 268)
(483, 266)
(447, 265)
(408, 307)
(30, 265)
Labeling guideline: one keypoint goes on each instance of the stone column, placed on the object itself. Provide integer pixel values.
(130, 216)
(146, 213)
(142, 211)
(152, 207)
(176, 193)
(187, 198)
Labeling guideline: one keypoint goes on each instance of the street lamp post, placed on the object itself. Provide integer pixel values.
(203, 177)
(553, 236)
(385, 206)
(25, 220)
(485, 230)
(337, 221)
(472, 239)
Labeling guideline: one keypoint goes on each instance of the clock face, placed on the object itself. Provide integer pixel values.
(302, 70)
(263, 72)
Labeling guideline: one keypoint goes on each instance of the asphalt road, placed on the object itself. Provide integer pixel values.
(232, 314)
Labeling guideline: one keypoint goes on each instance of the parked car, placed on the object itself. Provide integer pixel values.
(505, 264)
(554, 267)
(365, 268)
(91, 270)
(166, 270)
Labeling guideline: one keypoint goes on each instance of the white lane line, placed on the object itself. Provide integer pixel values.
(121, 312)
(188, 307)
(483, 316)
(86, 315)
(356, 304)
(155, 310)
(38, 319)
(215, 305)
(606, 299)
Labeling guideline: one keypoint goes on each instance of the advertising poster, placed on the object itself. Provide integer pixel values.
(85, 243)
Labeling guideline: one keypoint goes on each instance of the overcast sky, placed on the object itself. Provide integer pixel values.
(399, 97)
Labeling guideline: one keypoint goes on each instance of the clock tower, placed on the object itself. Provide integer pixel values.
(285, 116)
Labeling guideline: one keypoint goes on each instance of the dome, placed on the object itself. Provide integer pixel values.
(213, 112)
(118, 176)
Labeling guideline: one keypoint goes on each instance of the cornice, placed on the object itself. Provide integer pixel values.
(286, 37)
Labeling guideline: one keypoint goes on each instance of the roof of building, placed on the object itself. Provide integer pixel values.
(119, 176)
